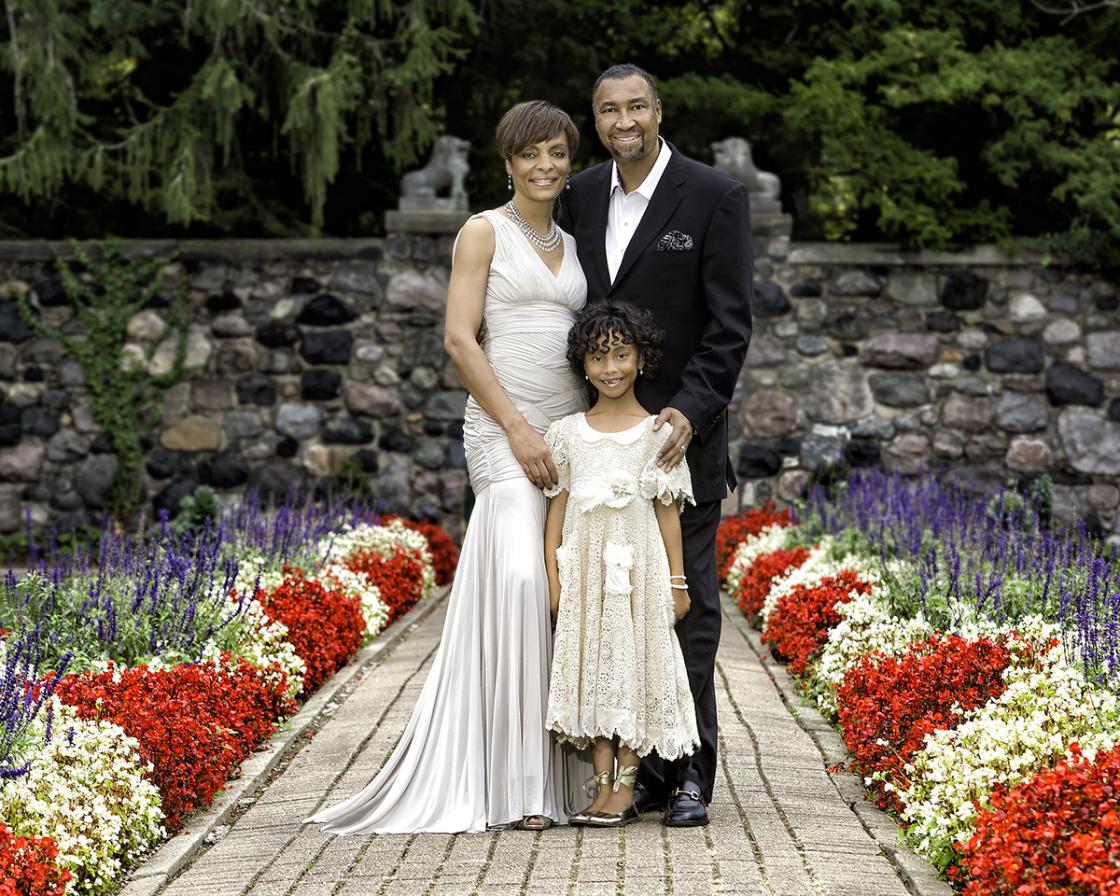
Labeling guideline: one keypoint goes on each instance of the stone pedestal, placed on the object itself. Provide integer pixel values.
(770, 232)
(770, 224)
(430, 220)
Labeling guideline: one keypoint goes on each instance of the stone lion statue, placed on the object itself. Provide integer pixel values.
(733, 157)
(446, 170)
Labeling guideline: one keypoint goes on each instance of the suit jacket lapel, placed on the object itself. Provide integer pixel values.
(600, 206)
(665, 199)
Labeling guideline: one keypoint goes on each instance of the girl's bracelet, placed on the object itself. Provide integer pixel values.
(677, 587)
(682, 578)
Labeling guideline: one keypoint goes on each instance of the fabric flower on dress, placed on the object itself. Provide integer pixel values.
(615, 489)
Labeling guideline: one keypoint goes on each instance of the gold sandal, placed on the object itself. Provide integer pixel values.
(591, 786)
(626, 777)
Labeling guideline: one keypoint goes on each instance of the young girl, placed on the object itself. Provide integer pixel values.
(615, 569)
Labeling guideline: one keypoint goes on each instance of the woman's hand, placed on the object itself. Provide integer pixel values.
(532, 453)
(682, 603)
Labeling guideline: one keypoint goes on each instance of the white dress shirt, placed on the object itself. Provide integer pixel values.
(626, 209)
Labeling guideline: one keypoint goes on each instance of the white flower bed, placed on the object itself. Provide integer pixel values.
(376, 614)
(86, 788)
(866, 626)
(86, 791)
(1047, 705)
(817, 566)
(383, 540)
(262, 642)
(771, 538)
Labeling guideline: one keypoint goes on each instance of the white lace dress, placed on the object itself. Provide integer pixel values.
(617, 666)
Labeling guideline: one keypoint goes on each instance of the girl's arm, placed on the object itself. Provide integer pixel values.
(466, 297)
(669, 521)
(553, 535)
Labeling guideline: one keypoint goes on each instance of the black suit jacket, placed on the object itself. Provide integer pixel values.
(690, 263)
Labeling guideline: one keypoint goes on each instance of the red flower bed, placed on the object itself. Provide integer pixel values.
(889, 704)
(399, 577)
(194, 721)
(756, 581)
(27, 866)
(733, 531)
(798, 626)
(445, 555)
(325, 627)
(1055, 834)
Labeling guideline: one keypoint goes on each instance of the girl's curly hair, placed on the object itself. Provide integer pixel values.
(622, 321)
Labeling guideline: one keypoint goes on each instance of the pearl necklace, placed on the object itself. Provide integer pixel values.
(546, 243)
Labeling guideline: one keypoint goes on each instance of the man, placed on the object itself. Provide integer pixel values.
(664, 232)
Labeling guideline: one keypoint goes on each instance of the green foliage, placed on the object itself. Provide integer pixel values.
(15, 547)
(928, 124)
(883, 114)
(931, 124)
(1026, 510)
(351, 482)
(905, 593)
(195, 509)
(106, 291)
(195, 111)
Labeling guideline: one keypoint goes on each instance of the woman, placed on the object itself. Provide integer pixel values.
(475, 753)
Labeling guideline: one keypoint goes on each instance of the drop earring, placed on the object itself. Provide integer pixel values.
(640, 371)
(567, 181)
(509, 181)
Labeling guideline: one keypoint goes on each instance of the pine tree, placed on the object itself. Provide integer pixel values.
(192, 109)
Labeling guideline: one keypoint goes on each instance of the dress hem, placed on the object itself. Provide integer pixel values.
(643, 746)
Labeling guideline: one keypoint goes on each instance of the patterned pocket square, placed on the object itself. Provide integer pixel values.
(674, 241)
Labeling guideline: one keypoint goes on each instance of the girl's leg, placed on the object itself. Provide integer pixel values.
(602, 761)
(621, 795)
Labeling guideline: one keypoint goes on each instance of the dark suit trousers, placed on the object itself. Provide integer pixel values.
(698, 633)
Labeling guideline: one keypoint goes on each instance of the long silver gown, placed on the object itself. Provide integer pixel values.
(476, 752)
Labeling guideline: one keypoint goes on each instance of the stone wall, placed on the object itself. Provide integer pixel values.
(303, 356)
(308, 355)
(994, 369)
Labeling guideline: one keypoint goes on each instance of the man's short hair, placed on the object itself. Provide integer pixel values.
(625, 70)
(532, 122)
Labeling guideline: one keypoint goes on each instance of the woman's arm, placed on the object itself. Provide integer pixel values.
(466, 296)
(669, 521)
(553, 535)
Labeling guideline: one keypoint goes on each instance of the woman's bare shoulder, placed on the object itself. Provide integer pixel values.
(475, 241)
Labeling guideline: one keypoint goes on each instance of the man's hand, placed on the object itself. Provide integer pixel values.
(672, 452)
(532, 453)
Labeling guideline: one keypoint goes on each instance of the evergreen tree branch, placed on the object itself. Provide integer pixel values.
(17, 71)
(1076, 9)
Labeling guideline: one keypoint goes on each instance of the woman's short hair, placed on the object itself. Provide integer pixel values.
(532, 122)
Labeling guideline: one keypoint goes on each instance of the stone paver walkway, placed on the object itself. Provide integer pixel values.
(779, 825)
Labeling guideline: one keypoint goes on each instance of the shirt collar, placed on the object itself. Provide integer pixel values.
(648, 185)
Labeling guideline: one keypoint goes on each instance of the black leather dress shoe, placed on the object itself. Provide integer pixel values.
(686, 808)
(647, 801)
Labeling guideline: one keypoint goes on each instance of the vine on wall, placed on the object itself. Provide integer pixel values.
(106, 290)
